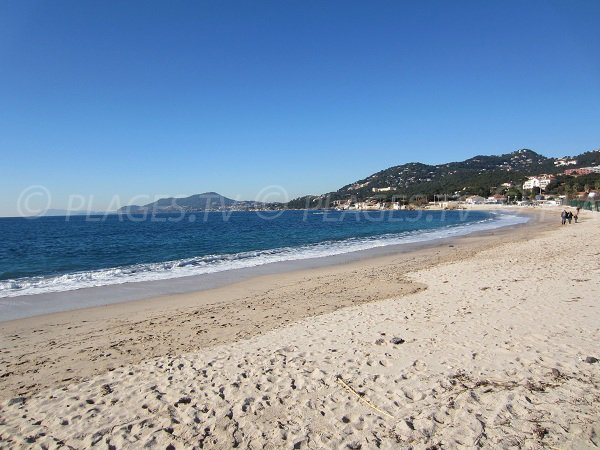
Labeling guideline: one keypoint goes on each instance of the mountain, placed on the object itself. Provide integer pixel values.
(197, 202)
(208, 201)
(474, 174)
(479, 175)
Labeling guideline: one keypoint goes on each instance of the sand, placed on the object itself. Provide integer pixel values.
(478, 344)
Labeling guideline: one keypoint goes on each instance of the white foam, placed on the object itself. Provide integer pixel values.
(220, 263)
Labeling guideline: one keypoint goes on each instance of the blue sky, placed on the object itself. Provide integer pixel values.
(104, 99)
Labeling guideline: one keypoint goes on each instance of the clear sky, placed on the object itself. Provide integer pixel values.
(106, 98)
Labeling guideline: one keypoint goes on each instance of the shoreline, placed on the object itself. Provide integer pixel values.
(43, 349)
(31, 305)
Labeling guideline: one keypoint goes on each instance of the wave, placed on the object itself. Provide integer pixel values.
(223, 262)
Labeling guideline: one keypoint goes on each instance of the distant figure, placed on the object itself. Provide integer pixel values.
(563, 216)
(569, 216)
(576, 215)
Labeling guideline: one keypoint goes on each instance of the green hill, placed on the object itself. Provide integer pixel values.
(481, 175)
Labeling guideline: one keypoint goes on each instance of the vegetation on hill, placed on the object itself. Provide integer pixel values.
(481, 175)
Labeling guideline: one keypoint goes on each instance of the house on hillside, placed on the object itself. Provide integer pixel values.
(540, 181)
(582, 171)
(565, 162)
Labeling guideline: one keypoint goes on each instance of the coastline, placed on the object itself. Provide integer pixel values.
(29, 305)
(172, 323)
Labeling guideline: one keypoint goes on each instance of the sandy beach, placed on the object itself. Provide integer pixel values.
(488, 341)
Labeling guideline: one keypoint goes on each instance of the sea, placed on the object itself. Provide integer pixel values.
(56, 254)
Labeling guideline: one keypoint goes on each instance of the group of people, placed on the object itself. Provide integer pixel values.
(569, 216)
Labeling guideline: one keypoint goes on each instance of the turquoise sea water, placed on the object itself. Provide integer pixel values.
(52, 254)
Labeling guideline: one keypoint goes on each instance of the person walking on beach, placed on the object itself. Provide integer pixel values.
(576, 215)
(569, 217)
(563, 216)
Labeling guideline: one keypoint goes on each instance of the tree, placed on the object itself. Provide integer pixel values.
(514, 193)
(567, 189)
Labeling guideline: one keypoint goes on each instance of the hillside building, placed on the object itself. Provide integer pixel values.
(582, 171)
(541, 182)
(565, 162)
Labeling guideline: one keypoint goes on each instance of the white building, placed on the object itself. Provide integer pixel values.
(342, 204)
(537, 182)
(496, 199)
(475, 200)
(368, 205)
(565, 162)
